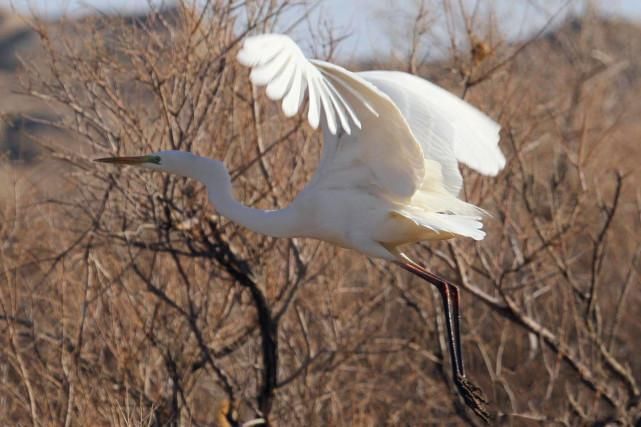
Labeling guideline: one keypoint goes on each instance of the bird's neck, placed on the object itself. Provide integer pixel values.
(275, 223)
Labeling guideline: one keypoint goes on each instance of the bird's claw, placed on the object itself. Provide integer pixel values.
(473, 397)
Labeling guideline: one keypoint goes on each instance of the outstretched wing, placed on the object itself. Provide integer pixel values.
(278, 63)
(449, 129)
(367, 141)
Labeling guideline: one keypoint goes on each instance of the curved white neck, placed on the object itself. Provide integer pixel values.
(276, 223)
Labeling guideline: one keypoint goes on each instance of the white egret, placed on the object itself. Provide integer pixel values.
(388, 175)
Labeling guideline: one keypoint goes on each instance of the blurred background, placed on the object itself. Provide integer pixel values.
(125, 299)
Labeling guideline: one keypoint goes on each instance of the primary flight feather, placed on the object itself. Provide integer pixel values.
(388, 174)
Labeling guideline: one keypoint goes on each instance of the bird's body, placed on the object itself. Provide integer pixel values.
(388, 174)
(364, 222)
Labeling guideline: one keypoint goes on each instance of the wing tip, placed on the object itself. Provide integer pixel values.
(244, 57)
(493, 167)
(253, 54)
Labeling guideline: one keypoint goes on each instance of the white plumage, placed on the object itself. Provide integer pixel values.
(392, 141)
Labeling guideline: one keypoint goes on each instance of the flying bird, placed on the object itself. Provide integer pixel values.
(388, 175)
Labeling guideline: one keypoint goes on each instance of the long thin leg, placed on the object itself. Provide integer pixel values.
(450, 299)
(472, 395)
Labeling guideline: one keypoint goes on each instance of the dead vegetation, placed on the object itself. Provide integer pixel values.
(126, 300)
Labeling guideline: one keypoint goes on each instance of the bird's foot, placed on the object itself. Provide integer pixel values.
(473, 397)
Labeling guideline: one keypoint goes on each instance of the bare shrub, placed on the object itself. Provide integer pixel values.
(126, 300)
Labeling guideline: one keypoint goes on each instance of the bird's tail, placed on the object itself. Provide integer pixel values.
(461, 225)
(448, 223)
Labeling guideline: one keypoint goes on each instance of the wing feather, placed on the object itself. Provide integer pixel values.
(338, 105)
(350, 111)
(313, 114)
(376, 149)
(293, 98)
(328, 108)
(448, 128)
(282, 82)
(278, 63)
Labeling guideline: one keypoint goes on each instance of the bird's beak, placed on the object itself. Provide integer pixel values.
(130, 160)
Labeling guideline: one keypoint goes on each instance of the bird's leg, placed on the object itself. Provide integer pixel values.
(472, 395)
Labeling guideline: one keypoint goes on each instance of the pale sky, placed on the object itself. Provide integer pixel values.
(361, 18)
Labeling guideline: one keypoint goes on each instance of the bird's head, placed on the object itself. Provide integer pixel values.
(182, 163)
